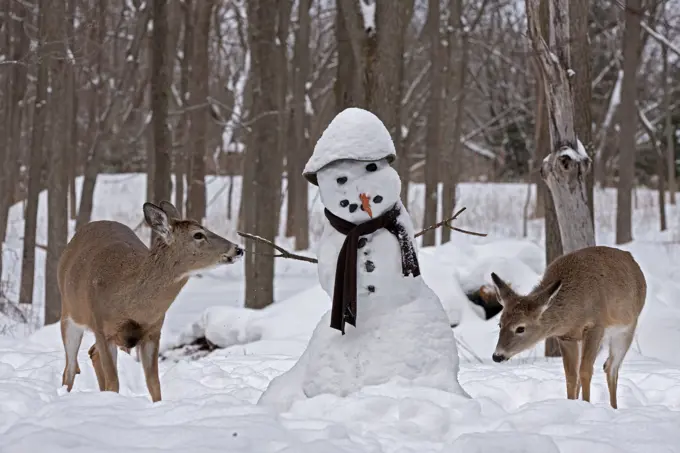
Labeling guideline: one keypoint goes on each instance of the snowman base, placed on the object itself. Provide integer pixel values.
(413, 343)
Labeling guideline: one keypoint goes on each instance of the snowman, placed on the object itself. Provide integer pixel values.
(385, 324)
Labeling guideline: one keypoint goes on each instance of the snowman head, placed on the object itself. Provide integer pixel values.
(356, 190)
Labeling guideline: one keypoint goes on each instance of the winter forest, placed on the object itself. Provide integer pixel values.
(553, 125)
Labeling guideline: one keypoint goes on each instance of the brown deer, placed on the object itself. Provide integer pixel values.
(584, 297)
(112, 284)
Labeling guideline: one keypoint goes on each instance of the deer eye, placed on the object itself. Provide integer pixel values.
(199, 236)
(520, 329)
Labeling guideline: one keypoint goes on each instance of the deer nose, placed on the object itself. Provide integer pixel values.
(239, 251)
(498, 358)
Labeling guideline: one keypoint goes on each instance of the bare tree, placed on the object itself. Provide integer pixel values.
(457, 45)
(199, 89)
(669, 127)
(432, 152)
(582, 84)
(348, 85)
(262, 153)
(392, 21)
(565, 169)
(184, 148)
(631, 58)
(298, 212)
(160, 87)
(61, 64)
(40, 111)
(16, 78)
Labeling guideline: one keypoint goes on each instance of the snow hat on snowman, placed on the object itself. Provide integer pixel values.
(354, 134)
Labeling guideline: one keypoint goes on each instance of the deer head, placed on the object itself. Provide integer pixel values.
(522, 320)
(194, 246)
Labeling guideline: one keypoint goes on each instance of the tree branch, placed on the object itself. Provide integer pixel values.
(286, 254)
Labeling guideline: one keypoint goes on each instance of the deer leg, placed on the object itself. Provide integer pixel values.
(108, 355)
(592, 340)
(148, 352)
(570, 361)
(97, 365)
(72, 337)
(618, 348)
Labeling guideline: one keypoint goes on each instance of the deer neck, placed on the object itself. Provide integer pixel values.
(160, 277)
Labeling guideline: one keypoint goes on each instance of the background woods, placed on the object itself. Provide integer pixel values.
(189, 90)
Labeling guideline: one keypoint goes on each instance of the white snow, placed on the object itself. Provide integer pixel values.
(209, 403)
(368, 14)
(578, 154)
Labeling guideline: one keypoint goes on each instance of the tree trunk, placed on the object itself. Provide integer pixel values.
(262, 155)
(348, 86)
(298, 211)
(71, 153)
(553, 240)
(542, 143)
(36, 161)
(582, 85)
(403, 164)
(283, 111)
(455, 96)
(433, 138)
(60, 98)
(669, 127)
(160, 87)
(631, 58)
(184, 147)
(565, 169)
(200, 79)
(16, 81)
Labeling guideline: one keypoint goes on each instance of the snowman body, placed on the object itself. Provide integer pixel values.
(402, 332)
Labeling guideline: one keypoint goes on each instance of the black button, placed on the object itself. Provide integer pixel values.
(353, 207)
(371, 288)
(341, 180)
(344, 203)
(377, 199)
(362, 242)
(370, 266)
(371, 167)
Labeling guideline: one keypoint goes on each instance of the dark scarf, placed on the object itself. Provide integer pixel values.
(345, 288)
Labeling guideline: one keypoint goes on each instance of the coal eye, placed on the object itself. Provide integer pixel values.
(371, 167)
(341, 180)
(520, 329)
(198, 236)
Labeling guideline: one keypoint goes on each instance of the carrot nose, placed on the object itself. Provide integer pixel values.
(366, 204)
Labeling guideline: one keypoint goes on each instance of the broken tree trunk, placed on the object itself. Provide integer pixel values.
(564, 170)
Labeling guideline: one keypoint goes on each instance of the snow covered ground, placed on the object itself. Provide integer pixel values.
(209, 403)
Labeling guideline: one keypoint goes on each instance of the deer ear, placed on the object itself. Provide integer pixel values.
(549, 295)
(158, 220)
(170, 210)
(503, 291)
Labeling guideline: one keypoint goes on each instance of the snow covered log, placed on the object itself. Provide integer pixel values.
(564, 170)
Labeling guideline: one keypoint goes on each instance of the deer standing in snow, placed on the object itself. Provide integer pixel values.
(113, 284)
(584, 297)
